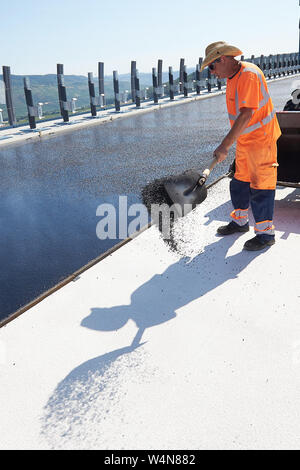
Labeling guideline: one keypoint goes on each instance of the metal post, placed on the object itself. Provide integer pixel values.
(133, 73)
(296, 62)
(159, 77)
(208, 80)
(275, 66)
(8, 96)
(116, 90)
(171, 83)
(29, 102)
(181, 75)
(278, 65)
(62, 92)
(137, 89)
(293, 62)
(154, 82)
(202, 75)
(272, 64)
(198, 86)
(261, 62)
(92, 94)
(269, 65)
(185, 82)
(101, 81)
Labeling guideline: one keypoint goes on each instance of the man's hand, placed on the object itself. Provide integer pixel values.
(221, 153)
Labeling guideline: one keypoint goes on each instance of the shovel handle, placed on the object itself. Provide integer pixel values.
(211, 166)
(203, 177)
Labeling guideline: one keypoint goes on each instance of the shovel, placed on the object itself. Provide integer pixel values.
(188, 189)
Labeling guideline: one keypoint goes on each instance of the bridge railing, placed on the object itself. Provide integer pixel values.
(273, 66)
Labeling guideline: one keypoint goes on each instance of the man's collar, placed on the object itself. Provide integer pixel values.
(239, 68)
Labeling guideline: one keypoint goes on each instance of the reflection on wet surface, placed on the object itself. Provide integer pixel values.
(50, 189)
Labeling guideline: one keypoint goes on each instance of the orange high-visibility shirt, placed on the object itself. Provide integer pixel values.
(248, 88)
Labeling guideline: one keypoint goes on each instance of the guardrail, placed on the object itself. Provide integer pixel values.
(272, 66)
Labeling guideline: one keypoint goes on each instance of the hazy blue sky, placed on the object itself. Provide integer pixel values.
(116, 32)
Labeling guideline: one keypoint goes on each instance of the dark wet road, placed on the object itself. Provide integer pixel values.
(50, 189)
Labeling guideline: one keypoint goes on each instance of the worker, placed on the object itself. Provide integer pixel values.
(255, 129)
(294, 103)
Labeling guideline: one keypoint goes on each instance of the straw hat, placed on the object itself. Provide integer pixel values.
(216, 49)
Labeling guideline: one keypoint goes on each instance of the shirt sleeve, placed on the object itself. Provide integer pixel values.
(248, 90)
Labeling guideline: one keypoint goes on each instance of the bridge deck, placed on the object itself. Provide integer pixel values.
(152, 348)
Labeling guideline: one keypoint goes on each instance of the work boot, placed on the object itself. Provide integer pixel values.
(232, 228)
(257, 243)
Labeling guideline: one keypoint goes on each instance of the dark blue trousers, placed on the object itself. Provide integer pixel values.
(262, 205)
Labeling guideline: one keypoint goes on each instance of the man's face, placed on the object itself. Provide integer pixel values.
(220, 69)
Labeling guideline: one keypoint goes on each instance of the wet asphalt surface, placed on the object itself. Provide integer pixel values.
(50, 189)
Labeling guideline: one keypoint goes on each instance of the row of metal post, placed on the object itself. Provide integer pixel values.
(277, 65)
(272, 66)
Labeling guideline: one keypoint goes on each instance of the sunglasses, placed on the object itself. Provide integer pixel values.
(212, 65)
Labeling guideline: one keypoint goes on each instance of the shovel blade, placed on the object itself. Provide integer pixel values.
(178, 185)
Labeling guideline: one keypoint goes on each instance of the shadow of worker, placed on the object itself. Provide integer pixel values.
(85, 397)
(156, 301)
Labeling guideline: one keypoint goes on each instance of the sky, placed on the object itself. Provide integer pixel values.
(38, 34)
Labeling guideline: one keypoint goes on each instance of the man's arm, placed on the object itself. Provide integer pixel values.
(238, 127)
